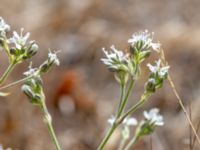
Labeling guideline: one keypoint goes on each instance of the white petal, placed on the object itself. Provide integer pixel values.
(131, 122)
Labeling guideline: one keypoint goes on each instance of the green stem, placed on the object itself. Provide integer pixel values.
(142, 100)
(16, 82)
(48, 121)
(121, 98)
(124, 102)
(121, 108)
(6, 48)
(7, 72)
(107, 137)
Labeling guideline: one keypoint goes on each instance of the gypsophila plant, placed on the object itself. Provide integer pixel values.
(19, 49)
(127, 69)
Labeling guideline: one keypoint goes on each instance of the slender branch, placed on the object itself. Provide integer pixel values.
(48, 121)
(6, 48)
(124, 102)
(107, 137)
(121, 98)
(164, 62)
(16, 82)
(7, 72)
(142, 100)
(194, 138)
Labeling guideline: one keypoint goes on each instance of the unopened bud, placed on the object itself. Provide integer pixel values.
(27, 91)
(13, 51)
(151, 85)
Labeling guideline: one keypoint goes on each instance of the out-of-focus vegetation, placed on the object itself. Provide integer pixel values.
(81, 93)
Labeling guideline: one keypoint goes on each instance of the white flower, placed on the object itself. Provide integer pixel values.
(162, 71)
(53, 58)
(155, 46)
(115, 58)
(154, 117)
(126, 122)
(3, 26)
(146, 38)
(130, 121)
(30, 71)
(19, 40)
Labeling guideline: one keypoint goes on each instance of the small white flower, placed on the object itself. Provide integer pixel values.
(130, 121)
(115, 58)
(154, 117)
(3, 26)
(146, 38)
(111, 120)
(156, 68)
(162, 71)
(18, 39)
(155, 46)
(126, 122)
(30, 71)
(53, 58)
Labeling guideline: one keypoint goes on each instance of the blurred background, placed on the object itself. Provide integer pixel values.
(81, 92)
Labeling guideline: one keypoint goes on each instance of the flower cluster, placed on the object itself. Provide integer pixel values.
(157, 76)
(52, 59)
(116, 60)
(124, 64)
(17, 47)
(126, 67)
(152, 119)
(23, 49)
(32, 88)
(143, 41)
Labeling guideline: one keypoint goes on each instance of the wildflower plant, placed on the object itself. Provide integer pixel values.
(19, 49)
(127, 69)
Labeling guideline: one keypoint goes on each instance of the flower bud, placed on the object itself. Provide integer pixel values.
(27, 91)
(1, 41)
(13, 51)
(32, 50)
(52, 59)
(150, 85)
(144, 54)
(145, 128)
(44, 67)
(122, 77)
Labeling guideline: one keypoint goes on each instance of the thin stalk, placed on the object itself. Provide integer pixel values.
(121, 98)
(142, 100)
(16, 82)
(6, 48)
(164, 62)
(107, 137)
(7, 72)
(124, 102)
(48, 121)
